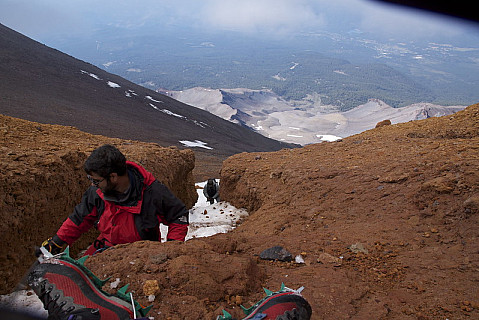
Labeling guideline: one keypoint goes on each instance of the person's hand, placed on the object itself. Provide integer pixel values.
(54, 245)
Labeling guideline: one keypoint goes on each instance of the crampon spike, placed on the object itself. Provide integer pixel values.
(246, 311)
(268, 292)
(226, 316)
(66, 252)
(123, 289)
(144, 310)
(82, 260)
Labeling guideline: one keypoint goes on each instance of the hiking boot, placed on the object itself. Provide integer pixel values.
(67, 293)
(285, 304)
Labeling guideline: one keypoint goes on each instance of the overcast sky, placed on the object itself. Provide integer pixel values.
(41, 19)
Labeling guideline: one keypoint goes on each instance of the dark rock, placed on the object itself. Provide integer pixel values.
(276, 253)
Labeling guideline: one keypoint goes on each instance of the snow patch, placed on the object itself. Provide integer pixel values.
(90, 74)
(113, 85)
(294, 66)
(151, 98)
(168, 112)
(328, 137)
(340, 72)
(196, 143)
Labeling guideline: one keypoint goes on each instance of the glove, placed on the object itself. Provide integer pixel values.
(54, 245)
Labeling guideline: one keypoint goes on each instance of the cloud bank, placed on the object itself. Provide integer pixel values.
(43, 18)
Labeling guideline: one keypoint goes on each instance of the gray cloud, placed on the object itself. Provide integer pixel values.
(44, 18)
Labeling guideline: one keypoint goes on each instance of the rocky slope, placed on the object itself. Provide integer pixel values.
(386, 222)
(40, 84)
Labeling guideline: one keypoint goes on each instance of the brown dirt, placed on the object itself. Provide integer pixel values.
(387, 223)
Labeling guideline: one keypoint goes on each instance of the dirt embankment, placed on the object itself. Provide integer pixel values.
(386, 222)
(42, 179)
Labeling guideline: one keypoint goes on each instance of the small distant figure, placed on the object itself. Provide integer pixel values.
(212, 191)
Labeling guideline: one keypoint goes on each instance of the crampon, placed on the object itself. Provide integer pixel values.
(70, 291)
(285, 304)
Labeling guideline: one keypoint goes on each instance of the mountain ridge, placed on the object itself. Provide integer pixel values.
(42, 84)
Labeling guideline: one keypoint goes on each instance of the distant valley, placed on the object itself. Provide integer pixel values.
(303, 121)
(342, 69)
(311, 88)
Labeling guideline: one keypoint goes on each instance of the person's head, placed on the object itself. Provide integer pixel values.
(211, 181)
(104, 165)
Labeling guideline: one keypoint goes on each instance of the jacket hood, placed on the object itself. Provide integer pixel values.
(148, 177)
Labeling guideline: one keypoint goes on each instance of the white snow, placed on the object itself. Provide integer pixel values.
(151, 98)
(113, 85)
(196, 143)
(154, 107)
(328, 137)
(205, 220)
(171, 113)
(91, 74)
(295, 64)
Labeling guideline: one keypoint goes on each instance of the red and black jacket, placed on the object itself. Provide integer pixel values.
(136, 218)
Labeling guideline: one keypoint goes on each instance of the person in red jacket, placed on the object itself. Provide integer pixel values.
(124, 202)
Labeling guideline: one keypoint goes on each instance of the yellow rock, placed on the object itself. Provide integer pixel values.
(150, 287)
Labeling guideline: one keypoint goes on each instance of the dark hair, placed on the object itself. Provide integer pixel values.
(105, 160)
